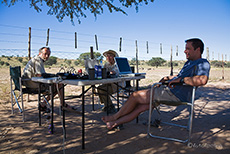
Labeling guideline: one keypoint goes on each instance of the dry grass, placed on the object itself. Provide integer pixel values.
(211, 125)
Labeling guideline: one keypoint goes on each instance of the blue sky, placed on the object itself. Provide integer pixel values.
(169, 22)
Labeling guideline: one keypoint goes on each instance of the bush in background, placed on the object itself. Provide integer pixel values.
(51, 61)
(156, 61)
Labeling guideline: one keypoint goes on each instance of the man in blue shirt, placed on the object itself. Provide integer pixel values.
(195, 72)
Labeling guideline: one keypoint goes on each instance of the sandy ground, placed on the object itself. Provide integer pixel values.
(211, 127)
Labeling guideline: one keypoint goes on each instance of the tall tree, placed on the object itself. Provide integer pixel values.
(78, 8)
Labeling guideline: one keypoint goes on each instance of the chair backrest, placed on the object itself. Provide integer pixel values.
(15, 73)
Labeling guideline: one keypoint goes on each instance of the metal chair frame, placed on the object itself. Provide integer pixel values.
(15, 98)
(188, 126)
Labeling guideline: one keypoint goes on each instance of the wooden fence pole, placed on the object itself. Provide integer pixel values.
(120, 44)
(222, 67)
(137, 57)
(177, 50)
(207, 49)
(160, 48)
(96, 42)
(48, 35)
(147, 46)
(91, 53)
(29, 44)
(171, 62)
(75, 40)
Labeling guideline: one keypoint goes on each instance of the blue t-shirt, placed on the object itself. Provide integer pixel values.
(184, 93)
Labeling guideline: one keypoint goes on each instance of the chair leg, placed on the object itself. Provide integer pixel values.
(21, 93)
(150, 110)
(28, 98)
(11, 96)
(23, 110)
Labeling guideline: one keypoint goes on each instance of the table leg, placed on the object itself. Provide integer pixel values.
(137, 85)
(117, 97)
(107, 98)
(62, 97)
(93, 87)
(83, 117)
(39, 101)
(52, 107)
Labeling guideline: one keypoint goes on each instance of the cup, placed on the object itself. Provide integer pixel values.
(104, 73)
(91, 73)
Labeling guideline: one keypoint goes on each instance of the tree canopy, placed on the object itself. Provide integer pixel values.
(78, 8)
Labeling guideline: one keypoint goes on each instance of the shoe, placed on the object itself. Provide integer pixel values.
(49, 129)
(44, 109)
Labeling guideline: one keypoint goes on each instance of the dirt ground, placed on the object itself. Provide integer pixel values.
(210, 135)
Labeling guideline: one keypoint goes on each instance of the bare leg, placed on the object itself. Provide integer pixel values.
(132, 107)
(55, 93)
(128, 117)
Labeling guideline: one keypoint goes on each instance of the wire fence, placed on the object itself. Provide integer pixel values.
(14, 41)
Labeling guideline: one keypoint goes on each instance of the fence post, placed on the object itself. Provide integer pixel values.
(160, 48)
(207, 49)
(91, 53)
(29, 44)
(222, 67)
(120, 44)
(75, 40)
(147, 46)
(137, 56)
(96, 42)
(171, 62)
(47, 40)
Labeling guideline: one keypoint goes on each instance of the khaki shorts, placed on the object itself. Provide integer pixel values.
(33, 86)
(163, 95)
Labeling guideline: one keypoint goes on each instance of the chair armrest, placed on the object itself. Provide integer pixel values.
(25, 79)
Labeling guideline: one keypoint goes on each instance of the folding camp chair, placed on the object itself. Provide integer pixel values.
(190, 119)
(15, 77)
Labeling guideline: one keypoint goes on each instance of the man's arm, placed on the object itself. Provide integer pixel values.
(198, 80)
(166, 78)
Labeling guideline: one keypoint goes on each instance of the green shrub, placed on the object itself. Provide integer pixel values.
(76, 62)
(228, 64)
(7, 64)
(156, 61)
(174, 63)
(20, 59)
(2, 63)
(68, 62)
(51, 61)
(24, 63)
(216, 63)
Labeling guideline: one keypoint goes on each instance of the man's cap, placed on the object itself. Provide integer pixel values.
(110, 52)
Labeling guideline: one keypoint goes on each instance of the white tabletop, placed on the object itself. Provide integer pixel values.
(81, 82)
(44, 80)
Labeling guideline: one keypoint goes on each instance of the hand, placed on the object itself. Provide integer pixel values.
(112, 72)
(166, 78)
(170, 85)
(38, 75)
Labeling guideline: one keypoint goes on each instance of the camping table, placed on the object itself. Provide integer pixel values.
(82, 83)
